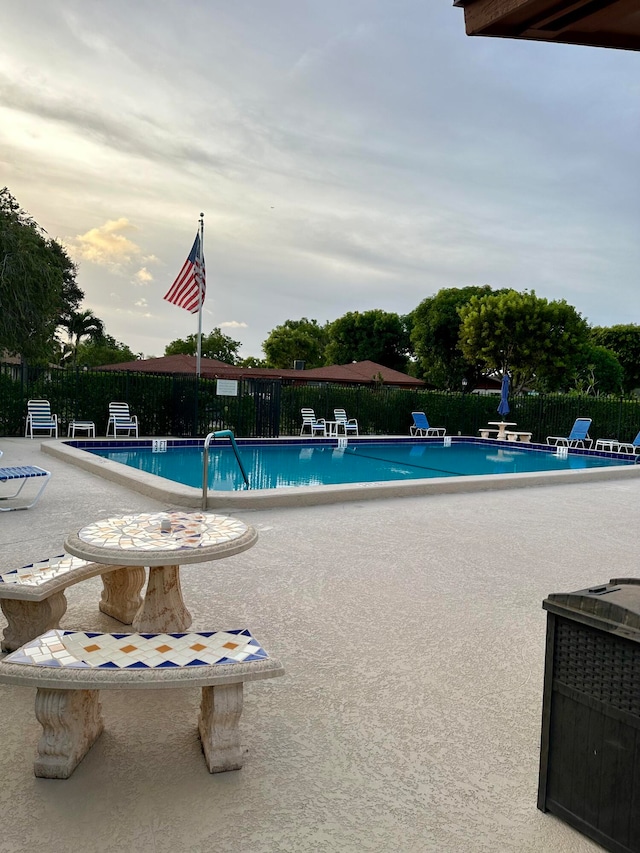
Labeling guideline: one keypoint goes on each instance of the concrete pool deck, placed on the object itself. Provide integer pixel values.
(412, 635)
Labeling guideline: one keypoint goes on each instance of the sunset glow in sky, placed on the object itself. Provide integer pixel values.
(347, 156)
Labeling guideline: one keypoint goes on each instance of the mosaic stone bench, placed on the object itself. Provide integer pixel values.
(33, 601)
(487, 433)
(69, 668)
(524, 437)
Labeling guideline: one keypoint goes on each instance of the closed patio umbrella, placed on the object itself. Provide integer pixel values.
(503, 408)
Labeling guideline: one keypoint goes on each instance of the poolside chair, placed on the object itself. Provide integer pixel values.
(347, 424)
(615, 446)
(120, 419)
(578, 437)
(22, 473)
(421, 426)
(39, 417)
(315, 425)
(630, 447)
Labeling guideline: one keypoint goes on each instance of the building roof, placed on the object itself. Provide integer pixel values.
(598, 23)
(363, 373)
(357, 373)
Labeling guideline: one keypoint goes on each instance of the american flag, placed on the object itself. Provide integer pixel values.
(185, 290)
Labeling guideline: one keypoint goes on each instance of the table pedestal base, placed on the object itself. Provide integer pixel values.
(163, 608)
(121, 593)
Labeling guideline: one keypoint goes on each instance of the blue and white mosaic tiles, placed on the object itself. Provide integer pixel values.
(90, 649)
(38, 573)
(163, 531)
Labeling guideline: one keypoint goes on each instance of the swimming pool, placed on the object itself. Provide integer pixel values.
(276, 466)
(314, 471)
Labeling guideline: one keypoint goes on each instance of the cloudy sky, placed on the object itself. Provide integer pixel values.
(346, 155)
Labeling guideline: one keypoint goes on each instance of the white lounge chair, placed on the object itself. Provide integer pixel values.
(615, 446)
(121, 420)
(345, 423)
(309, 420)
(631, 447)
(39, 417)
(421, 426)
(578, 437)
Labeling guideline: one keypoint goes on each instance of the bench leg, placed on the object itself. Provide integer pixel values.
(220, 711)
(121, 593)
(28, 619)
(163, 608)
(71, 722)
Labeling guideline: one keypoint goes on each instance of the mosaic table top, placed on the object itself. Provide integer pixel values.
(157, 538)
(83, 650)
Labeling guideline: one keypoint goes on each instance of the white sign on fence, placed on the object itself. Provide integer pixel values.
(227, 387)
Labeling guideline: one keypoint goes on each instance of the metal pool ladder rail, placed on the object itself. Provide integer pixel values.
(221, 433)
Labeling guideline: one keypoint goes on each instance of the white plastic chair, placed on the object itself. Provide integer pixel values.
(315, 425)
(347, 424)
(120, 419)
(39, 417)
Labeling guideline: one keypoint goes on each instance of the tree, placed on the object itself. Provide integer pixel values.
(37, 284)
(103, 350)
(624, 341)
(294, 340)
(251, 361)
(81, 324)
(540, 343)
(375, 335)
(214, 345)
(435, 337)
(600, 372)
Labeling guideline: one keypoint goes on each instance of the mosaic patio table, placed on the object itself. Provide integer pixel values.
(163, 541)
(502, 428)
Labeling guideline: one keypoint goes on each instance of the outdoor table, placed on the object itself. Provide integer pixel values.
(502, 429)
(331, 428)
(163, 541)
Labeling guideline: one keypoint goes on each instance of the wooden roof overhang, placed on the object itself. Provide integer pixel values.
(598, 23)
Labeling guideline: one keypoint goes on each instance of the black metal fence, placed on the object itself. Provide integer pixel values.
(181, 405)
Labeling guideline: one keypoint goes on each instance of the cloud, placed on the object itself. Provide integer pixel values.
(143, 276)
(233, 324)
(141, 303)
(108, 246)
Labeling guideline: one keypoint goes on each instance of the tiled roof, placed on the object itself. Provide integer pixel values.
(358, 373)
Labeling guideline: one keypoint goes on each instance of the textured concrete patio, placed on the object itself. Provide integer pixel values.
(412, 633)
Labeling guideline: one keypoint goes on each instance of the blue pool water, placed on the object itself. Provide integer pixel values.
(275, 466)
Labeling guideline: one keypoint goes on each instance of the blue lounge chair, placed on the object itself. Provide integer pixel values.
(22, 473)
(578, 437)
(39, 417)
(421, 426)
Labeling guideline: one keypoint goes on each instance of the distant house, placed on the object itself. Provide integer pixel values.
(356, 373)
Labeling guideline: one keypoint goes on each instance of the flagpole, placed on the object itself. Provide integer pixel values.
(199, 342)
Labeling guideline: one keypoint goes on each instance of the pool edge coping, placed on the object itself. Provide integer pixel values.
(162, 489)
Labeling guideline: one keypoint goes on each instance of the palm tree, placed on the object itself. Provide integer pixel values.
(79, 325)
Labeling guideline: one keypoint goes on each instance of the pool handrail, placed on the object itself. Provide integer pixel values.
(221, 433)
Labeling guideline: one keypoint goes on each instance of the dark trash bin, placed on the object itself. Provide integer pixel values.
(590, 746)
